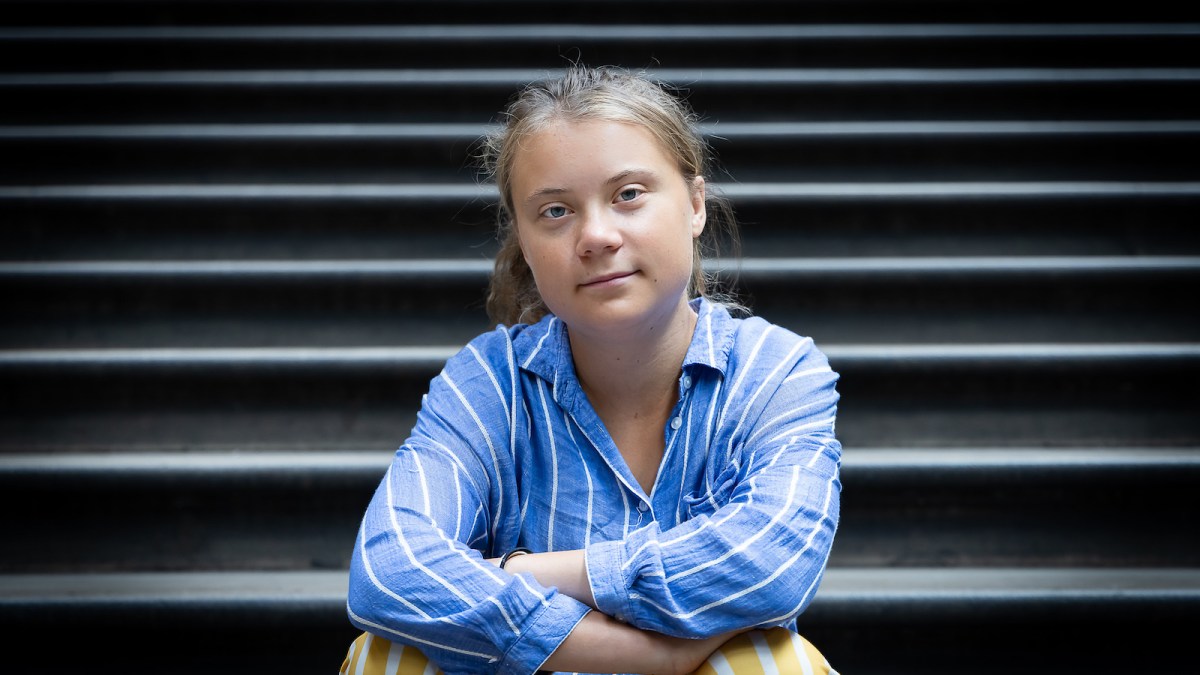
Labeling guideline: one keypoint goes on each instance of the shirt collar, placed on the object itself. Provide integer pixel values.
(713, 338)
(544, 349)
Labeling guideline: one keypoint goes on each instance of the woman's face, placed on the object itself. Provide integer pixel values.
(606, 222)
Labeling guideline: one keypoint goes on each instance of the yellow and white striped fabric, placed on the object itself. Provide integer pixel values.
(773, 652)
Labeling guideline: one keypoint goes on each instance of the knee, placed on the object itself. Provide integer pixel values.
(775, 650)
(372, 655)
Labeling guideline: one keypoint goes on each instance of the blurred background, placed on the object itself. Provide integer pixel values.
(237, 239)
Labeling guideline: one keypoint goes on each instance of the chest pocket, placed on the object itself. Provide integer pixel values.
(718, 493)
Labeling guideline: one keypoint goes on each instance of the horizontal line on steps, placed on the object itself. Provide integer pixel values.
(621, 33)
(515, 77)
(423, 357)
(469, 132)
(477, 269)
(865, 587)
(281, 466)
(762, 191)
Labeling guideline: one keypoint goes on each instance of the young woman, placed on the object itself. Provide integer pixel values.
(621, 477)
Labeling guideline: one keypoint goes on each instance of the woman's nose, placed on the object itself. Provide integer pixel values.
(598, 232)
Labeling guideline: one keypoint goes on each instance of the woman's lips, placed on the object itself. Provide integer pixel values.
(606, 279)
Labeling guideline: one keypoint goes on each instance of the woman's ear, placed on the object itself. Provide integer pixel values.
(699, 211)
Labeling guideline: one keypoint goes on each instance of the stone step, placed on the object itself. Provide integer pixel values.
(331, 303)
(540, 12)
(468, 95)
(945, 618)
(708, 44)
(903, 507)
(789, 152)
(936, 395)
(84, 222)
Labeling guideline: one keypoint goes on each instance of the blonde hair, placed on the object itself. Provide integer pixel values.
(609, 94)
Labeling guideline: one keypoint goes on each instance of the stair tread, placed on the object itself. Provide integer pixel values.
(475, 267)
(841, 585)
(564, 31)
(337, 464)
(462, 131)
(421, 356)
(515, 77)
(737, 191)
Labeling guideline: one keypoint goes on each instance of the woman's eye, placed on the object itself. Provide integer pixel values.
(628, 194)
(555, 212)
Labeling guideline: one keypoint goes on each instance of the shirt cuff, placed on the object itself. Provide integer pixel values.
(542, 634)
(604, 561)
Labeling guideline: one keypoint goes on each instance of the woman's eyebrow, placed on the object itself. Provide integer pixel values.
(544, 192)
(618, 177)
(624, 175)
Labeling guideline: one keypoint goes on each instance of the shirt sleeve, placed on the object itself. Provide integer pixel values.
(418, 574)
(753, 550)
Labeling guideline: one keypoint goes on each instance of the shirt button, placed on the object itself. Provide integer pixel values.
(687, 381)
(677, 422)
(643, 507)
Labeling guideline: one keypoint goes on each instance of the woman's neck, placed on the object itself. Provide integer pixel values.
(630, 372)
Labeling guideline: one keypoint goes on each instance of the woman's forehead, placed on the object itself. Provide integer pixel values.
(591, 147)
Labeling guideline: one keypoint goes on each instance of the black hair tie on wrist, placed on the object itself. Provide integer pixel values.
(515, 551)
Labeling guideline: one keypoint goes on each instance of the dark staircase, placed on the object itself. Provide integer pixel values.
(238, 238)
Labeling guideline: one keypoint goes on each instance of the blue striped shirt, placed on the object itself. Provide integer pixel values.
(508, 452)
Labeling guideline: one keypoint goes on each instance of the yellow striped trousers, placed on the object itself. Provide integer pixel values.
(777, 651)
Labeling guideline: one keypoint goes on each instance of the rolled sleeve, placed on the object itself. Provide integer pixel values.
(610, 588)
(543, 632)
(756, 562)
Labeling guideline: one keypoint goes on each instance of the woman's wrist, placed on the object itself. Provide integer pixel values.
(565, 570)
(504, 559)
